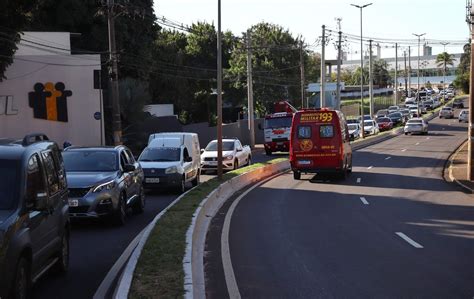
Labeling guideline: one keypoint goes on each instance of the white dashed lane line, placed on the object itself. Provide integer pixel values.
(404, 150)
(417, 143)
(388, 158)
(364, 201)
(408, 240)
(359, 180)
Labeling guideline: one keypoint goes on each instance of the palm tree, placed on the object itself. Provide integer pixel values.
(443, 60)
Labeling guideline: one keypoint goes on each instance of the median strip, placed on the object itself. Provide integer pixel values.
(159, 271)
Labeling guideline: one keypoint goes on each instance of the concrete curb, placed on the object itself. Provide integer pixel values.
(193, 261)
(125, 281)
(448, 172)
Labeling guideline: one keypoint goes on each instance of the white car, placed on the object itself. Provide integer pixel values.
(234, 155)
(416, 125)
(446, 112)
(464, 116)
(354, 130)
(393, 109)
(371, 127)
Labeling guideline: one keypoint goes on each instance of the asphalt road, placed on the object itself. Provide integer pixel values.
(393, 229)
(96, 246)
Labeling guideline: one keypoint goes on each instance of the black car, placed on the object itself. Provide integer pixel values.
(458, 103)
(34, 219)
(103, 182)
(397, 118)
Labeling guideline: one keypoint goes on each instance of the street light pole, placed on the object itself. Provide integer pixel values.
(418, 71)
(219, 92)
(361, 70)
(444, 70)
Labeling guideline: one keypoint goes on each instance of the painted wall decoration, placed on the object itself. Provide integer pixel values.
(49, 101)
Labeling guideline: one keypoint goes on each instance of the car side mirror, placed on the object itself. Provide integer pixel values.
(41, 201)
(202, 151)
(351, 138)
(239, 149)
(188, 159)
(129, 168)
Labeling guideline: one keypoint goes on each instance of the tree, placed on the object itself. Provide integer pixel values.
(463, 71)
(14, 18)
(380, 73)
(443, 60)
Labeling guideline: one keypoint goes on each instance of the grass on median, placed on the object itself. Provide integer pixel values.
(159, 272)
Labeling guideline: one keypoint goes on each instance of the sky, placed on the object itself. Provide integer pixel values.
(394, 19)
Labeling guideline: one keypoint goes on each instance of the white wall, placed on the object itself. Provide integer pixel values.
(76, 72)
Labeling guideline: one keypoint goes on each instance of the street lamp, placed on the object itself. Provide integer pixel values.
(219, 92)
(418, 84)
(361, 69)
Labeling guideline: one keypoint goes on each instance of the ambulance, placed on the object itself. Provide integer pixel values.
(320, 143)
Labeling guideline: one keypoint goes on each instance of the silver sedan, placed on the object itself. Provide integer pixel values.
(416, 125)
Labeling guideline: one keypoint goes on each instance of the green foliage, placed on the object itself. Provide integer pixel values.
(463, 71)
(380, 74)
(14, 18)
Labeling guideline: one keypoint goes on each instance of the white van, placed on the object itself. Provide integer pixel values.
(171, 160)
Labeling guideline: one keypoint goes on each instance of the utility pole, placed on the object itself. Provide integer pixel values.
(250, 90)
(418, 72)
(470, 155)
(371, 81)
(113, 72)
(339, 59)
(406, 73)
(323, 70)
(219, 92)
(302, 74)
(409, 71)
(396, 74)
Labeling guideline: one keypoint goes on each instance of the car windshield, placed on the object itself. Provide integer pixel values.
(368, 123)
(90, 161)
(414, 122)
(383, 120)
(9, 181)
(226, 146)
(447, 109)
(160, 154)
(276, 123)
(353, 126)
(395, 115)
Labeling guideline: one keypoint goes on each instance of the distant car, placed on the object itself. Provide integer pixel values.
(458, 103)
(234, 155)
(446, 112)
(396, 118)
(384, 123)
(392, 109)
(464, 116)
(381, 113)
(416, 125)
(429, 104)
(103, 182)
(409, 101)
(405, 112)
(354, 130)
(371, 127)
(366, 117)
(352, 121)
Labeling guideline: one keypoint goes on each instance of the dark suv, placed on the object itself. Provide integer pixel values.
(34, 218)
(103, 181)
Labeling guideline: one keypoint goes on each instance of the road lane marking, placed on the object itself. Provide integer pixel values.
(370, 167)
(388, 158)
(232, 287)
(408, 240)
(404, 150)
(427, 138)
(359, 180)
(364, 200)
(417, 143)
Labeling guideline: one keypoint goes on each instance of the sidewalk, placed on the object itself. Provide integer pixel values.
(456, 169)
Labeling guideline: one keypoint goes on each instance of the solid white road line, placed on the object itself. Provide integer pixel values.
(364, 200)
(410, 241)
(232, 287)
(388, 158)
(359, 180)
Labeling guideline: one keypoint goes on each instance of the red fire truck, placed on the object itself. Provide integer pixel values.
(277, 128)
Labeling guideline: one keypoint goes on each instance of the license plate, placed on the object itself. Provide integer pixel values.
(152, 180)
(73, 203)
(304, 162)
(213, 163)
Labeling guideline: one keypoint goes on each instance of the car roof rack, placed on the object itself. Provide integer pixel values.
(33, 138)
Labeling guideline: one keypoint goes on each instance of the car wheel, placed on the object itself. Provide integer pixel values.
(22, 282)
(182, 186)
(406, 133)
(139, 206)
(63, 255)
(121, 213)
(196, 180)
(296, 175)
(249, 161)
